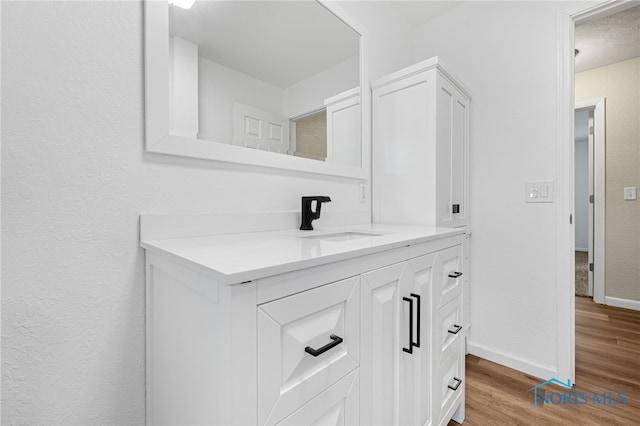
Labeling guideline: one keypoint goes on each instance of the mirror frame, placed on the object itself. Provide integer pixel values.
(160, 140)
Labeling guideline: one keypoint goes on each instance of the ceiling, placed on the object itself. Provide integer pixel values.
(279, 42)
(606, 41)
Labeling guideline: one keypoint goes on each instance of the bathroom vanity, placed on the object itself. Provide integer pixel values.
(349, 325)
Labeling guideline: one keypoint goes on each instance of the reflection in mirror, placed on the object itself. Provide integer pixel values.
(277, 76)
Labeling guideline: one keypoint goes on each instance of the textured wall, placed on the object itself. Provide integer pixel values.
(75, 179)
(620, 84)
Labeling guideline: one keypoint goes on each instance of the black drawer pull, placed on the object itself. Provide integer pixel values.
(417, 296)
(456, 385)
(455, 208)
(455, 274)
(315, 352)
(455, 329)
(410, 350)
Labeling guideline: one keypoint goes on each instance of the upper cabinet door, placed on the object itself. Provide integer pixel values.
(327, 321)
(420, 147)
(452, 156)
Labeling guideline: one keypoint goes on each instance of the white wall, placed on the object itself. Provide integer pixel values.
(309, 95)
(581, 189)
(506, 53)
(75, 179)
(219, 88)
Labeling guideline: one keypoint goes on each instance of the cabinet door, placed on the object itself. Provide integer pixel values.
(452, 146)
(288, 375)
(386, 370)
(404, 147)
(421, 273)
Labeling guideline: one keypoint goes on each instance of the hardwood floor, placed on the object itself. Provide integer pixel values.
(607, 360)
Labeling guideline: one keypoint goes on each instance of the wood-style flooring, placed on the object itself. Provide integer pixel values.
(607, 360)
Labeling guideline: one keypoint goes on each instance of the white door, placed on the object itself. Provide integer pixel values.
(591, 205)
(260, 130)
(386, 365)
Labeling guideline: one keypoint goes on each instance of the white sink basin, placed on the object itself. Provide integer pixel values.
(342, 236)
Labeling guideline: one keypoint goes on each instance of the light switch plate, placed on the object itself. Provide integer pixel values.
(539, 192)
(630, 193)
(363, 192)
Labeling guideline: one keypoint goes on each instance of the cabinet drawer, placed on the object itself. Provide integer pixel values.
(338, 405)
(326, 319)
(449, 326)
(450, 285)
(450, 383)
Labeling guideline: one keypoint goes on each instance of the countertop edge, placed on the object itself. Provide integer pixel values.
(269, 271)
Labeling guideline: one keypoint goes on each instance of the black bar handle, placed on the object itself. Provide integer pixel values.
(455, 208)
(456, 385)
(417, 344)
(455, 274)
(315, 352)
(456, 329)
(410, 350)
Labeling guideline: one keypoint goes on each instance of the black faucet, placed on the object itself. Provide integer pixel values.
(309, 215)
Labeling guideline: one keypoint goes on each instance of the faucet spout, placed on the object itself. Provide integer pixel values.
(308, 213)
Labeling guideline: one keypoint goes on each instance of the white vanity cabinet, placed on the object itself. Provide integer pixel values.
(356, 339)
(420, 147)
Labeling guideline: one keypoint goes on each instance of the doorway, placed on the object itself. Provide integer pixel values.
(589, 198)
(583, 191)
(565, 270)
(568, 21)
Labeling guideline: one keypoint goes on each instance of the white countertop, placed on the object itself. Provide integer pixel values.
(236, 258)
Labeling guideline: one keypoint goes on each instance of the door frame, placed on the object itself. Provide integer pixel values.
(598, 106)
(565, 240)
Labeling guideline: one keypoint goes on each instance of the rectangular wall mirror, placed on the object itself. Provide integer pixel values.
(267, 83)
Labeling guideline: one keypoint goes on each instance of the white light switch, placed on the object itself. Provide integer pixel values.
(630, 193)
(539, 192)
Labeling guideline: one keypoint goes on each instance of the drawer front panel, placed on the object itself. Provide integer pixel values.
(450, 284)
(306, 343)
(339, 405)
(451, 381)
(449, 326)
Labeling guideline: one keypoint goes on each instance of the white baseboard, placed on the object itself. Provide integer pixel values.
(541, 371)
(622, 303)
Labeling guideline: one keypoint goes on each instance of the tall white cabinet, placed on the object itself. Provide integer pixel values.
(420, 147)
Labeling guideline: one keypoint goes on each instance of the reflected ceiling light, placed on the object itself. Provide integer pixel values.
(185, 4)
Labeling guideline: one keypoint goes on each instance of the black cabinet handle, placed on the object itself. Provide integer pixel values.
(410, 350)
(456, 329)
(315, 352)
(456, 385)
(455, 208)
(417, 344)
(455, 274)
